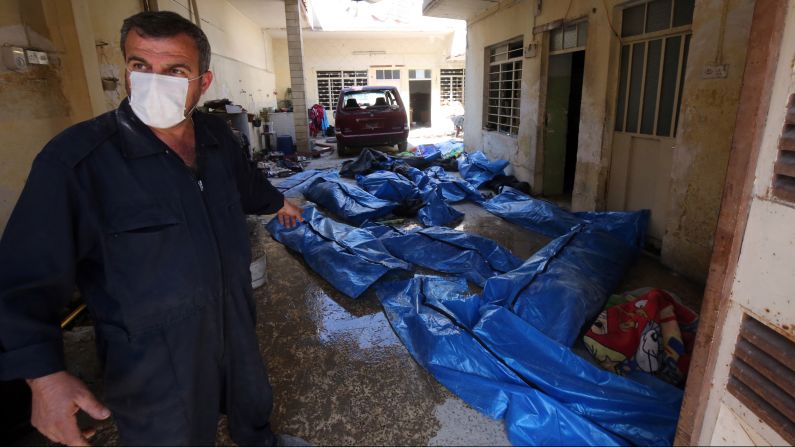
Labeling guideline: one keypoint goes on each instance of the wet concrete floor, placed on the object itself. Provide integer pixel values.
(340, 374)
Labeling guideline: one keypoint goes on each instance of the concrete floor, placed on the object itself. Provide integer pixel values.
(339, 373)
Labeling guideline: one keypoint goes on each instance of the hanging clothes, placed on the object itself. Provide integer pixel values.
(317, 120)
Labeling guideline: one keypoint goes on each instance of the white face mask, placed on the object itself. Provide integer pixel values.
(159, 100)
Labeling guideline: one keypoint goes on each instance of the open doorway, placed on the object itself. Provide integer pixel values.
(564, 95)
(420, 100)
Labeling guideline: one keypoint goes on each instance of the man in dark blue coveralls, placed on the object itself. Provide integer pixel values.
(143, 209)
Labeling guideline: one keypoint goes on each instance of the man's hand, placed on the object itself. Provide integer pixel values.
(56, 400)
(289, 214)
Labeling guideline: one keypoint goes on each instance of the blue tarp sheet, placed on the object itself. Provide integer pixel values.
(295, 185)
(477, 169)
(453, 188)
(349, 202)
(436, 210)
(349, 258)
(450, 251)
(550, 220)
(390, 186)
(504, 367)
(565, 284)
(432, 210)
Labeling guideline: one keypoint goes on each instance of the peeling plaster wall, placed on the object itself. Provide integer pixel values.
(106, 20)
(705, 129)
(42, 102)
(512, 20)
(242, 58)
(704, 136)
(524, 151)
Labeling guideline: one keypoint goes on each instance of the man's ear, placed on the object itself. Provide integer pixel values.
(207, 79)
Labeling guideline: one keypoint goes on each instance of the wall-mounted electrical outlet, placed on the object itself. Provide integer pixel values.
(714, 71)
(14, 58)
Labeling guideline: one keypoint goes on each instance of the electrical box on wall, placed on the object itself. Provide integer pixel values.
(14, 58)
(37, 57)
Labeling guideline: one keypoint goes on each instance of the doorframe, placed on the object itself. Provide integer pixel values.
(545, 53)
(764, 44)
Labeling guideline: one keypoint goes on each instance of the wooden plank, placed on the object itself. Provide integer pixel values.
(764, 44)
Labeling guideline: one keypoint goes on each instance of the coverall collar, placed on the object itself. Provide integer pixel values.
(139, 141)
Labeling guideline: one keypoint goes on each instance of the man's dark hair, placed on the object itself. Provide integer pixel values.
(167, 24)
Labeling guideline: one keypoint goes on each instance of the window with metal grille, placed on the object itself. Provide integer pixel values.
(504, 75)
(655, 38)
(451, 82)
(762, 376)
(330, 83)
(784, 170)
(387, 74)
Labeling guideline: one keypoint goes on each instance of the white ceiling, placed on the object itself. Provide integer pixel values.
(335, 17)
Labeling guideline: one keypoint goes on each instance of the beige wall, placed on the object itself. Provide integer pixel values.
(706, 124)
(242, 60)
(106, 20)
(706, 127)
(281, 67)
(42, 102)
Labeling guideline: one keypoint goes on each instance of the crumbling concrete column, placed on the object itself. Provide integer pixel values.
(295, 51)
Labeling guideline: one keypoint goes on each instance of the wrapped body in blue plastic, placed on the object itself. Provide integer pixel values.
(295, 185)
(350, 259)
(349, 202)
(450, 251)
(477, 169)
(507, 369)
(550, 220)
(427, 204)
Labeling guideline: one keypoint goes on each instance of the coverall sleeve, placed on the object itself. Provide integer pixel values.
(257, 195)
(37, 270)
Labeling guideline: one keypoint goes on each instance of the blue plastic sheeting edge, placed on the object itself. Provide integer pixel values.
(437, 212)
(389, 185)
(350, 203)
(550, 220)
(505, 368)
(394, 187)
(450, 251)
(351, 259)
(295, 185)
(453, 188)
(565, 284)
(477, 169)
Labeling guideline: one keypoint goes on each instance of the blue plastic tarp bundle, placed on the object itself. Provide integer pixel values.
(550, 220)
(504, 367)
(391, 186)
(295, 185)
(349, 202)
(565, 284)
(453, 188)
(477, 169)
(349, 258)
(450, 251)
(436, 210)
